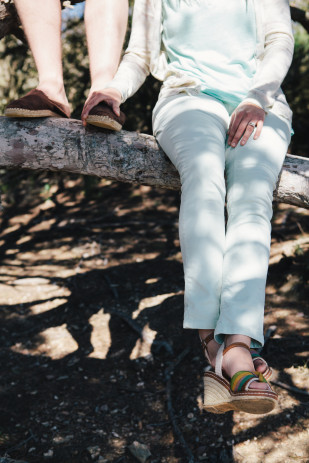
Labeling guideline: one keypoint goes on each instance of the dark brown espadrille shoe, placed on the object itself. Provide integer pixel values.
(103, 116)
(35, 104)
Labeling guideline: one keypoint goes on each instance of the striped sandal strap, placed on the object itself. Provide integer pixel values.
(241, 381)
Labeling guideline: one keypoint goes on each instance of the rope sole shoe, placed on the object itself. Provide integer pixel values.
(35, 104)
(103, 116)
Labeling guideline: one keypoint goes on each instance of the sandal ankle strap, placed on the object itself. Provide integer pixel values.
(236, 344)
(204, 343)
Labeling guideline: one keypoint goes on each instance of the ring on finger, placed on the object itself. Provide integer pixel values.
(252, 124)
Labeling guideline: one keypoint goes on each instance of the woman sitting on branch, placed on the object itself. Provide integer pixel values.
(220, 113)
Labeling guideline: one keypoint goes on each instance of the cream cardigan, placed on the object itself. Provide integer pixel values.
(274, 52)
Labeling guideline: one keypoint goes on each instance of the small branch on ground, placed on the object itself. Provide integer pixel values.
(293, 389)
(158, 345)
(170, 409)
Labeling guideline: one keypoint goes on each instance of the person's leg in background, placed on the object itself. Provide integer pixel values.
(106, 22)
(41, 21)
(252, 172)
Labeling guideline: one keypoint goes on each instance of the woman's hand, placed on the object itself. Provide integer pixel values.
(111, 96)
(244, 119)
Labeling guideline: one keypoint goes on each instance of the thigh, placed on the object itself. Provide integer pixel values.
(192, 131)
(252, 170)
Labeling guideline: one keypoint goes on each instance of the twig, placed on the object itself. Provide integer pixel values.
(168, 378)
(300, 228)
(111, 286)
(290, 388)
(21, 444)
(139, 330)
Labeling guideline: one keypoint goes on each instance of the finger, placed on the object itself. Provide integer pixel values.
(116, 108)
(248, 132)
(234, 127)
(86, 110)
(258, 131)
(90, 103)
(239, 132)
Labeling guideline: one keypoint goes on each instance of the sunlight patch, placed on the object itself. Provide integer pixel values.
(152, 302)
(100, 337)
(143, 345)
(55, 342)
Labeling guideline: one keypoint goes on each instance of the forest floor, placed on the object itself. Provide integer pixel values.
(91, 307)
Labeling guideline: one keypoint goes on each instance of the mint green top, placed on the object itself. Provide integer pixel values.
(214, 41)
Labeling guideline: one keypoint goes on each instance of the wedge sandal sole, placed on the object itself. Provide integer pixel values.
(104, 122)
(17, 112)
(218, 397)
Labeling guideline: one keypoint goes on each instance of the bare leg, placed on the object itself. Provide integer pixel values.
(106, 22)
(42, 24)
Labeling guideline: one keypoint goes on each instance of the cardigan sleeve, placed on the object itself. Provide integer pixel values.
(135, 64)
(277, 56)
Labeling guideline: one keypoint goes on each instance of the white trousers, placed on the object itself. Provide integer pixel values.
(225, 266)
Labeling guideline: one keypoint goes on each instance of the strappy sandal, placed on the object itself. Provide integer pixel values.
(35, 104)
(254, 354)
(221, 395)
(103, 116)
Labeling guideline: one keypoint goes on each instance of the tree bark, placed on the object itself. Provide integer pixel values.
(65, 145)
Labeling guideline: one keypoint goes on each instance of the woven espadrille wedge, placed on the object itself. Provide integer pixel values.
(221, 395)
(254, 354)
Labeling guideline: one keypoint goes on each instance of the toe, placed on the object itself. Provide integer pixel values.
(259, 366)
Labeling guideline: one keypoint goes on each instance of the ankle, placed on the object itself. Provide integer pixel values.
(100, 78)
(238, 358)
(54, 90)
(232, 338)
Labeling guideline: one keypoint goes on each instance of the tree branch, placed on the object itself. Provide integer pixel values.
(65, 145)
(301, 17)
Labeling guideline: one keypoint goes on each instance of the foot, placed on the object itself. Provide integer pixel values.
(92, 111)
(239, 359)
(259, 364)
(56, 92)
(37, 103)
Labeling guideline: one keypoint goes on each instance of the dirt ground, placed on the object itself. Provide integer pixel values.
(91, 304)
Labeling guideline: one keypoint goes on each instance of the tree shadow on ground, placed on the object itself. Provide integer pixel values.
(111, 254)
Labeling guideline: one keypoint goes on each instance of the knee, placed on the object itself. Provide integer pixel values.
(203, 185)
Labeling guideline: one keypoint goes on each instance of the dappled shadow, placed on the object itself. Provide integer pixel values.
(79, 263)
